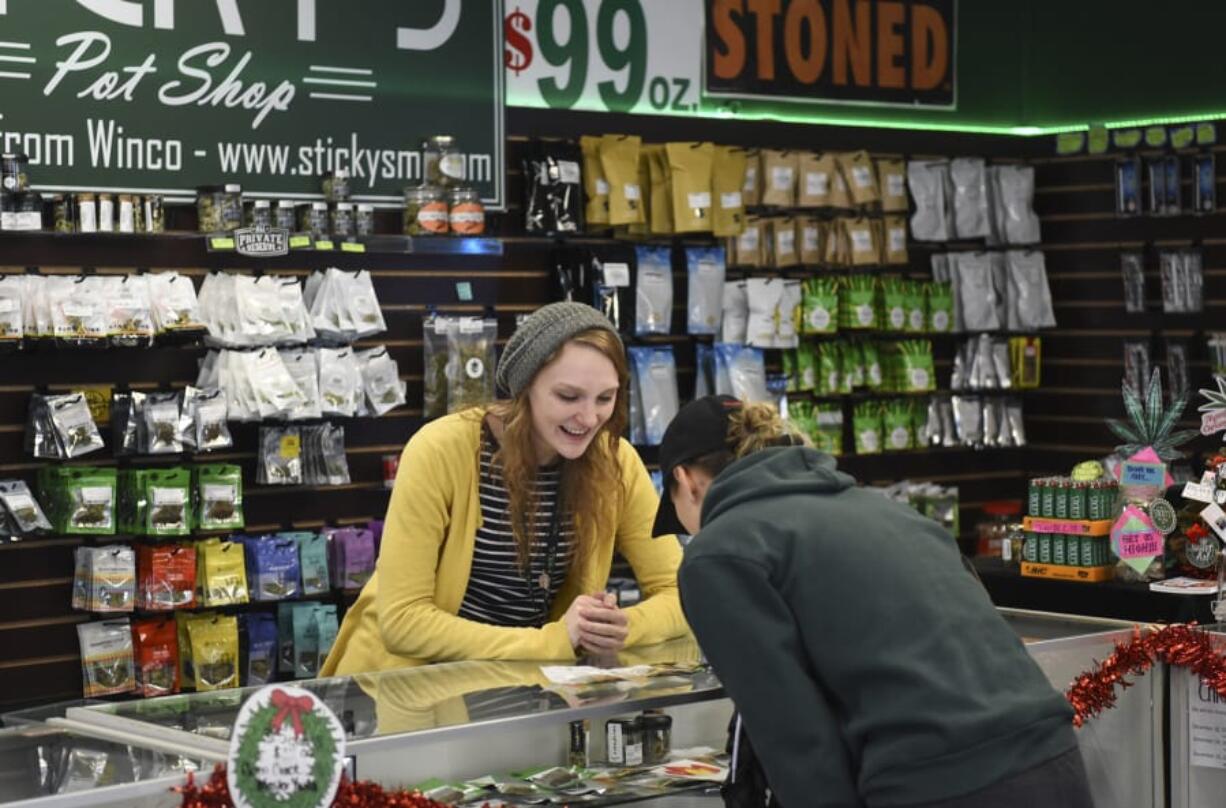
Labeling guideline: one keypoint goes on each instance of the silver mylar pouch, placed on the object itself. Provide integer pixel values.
(949, 430)
(1000, 361)
(1016, 424)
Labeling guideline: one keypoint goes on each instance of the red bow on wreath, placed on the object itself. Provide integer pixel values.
(291, 707)
(1196, 532)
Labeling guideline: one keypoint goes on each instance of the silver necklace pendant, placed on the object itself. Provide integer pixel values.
(543, 581)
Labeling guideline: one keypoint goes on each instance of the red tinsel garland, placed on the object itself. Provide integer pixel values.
(1184, 646)
(216, 794)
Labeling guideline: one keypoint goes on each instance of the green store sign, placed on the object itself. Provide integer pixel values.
(160, 96)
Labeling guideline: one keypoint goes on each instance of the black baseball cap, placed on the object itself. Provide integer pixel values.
(699, 428)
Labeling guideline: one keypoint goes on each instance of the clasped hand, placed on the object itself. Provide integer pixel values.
(596, 625)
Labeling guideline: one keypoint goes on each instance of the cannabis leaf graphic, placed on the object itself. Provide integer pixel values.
(1150, 424)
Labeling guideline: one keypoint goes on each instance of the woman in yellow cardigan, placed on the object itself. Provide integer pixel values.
(502, 525)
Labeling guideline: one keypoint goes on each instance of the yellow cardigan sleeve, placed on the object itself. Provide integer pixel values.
(654, 560)
(430, 481)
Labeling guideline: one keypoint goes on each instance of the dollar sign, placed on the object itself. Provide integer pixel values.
(518, 53)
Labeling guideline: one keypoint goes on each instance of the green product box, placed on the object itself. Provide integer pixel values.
(1030, 548)
(1061, 501)
(1077, 502)
(1086, 556)
(1049, 500)
(1034, 500)
(1058, 546)
(1045, 548)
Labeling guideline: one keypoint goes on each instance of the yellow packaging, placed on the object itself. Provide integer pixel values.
(837, 251)
(221, 579)
(778, 170)
(816, 178)
(642, 230)
(782, 232)
(689, 167)
(809, 240)
(660, 211)
(214, 644)
(619, 157)
(879, 238)
(595, 186)
(895, 240)
(750, 247)
(187, 673)
(861, 179)
(751, 191)
(840, 196)
(863, 242)
(727, 190)
(892, 183)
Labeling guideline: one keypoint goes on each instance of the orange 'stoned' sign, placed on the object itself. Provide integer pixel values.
(884, 52)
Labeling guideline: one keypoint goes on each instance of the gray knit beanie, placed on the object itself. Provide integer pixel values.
(545, 331)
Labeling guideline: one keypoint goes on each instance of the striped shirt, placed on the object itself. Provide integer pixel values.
(499, 592)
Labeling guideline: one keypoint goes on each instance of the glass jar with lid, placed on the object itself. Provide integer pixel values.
(285, 217)
(425, 211)
(209, 201)
(364, 221)
(335, 186)
(14, 172)
(232, 207)
(466, 214)
(341, 216)
(442, 164)
(313, 219)
(261, 213)
(63, 213)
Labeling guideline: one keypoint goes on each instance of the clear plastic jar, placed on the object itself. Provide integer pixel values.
(209, 202)
(63, 213)
(341, 219)
(14, 172)
(364, 222)
(285, 216)
(87, 212)
(335, 186)
(657, 736)
(232, 207)
(425, 211)
(154, 216)
(261, 213)
(127, 213)
(313, 219)
(106, 213)
(466, 214)
(442, 164)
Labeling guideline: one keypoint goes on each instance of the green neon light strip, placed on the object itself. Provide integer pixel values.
(1015, 131)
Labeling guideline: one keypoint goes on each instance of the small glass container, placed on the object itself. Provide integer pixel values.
(624, 741)
(261, 213)
(466, 214)
(106, 213)
(657, 736)
(14, 172)
(127, 214)
(154, 217)
(87, 213)
(313, 219)
(364, 222)
(425, 211)
(336, 185)
(63, 213)
(284, 216)
(232, 207)
(209, 201)
(442, 164)
(341, 219)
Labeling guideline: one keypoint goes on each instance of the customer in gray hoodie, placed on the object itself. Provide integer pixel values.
(869, 668)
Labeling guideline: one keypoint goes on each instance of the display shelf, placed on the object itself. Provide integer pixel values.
(1123, 600)
(1069, 527)
(1064, 572)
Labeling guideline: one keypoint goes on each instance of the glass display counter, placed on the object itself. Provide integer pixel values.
(1198, 736)
(50, 766)
(463, 720)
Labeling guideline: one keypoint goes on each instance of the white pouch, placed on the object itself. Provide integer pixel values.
(653, 299)
(1015, 186)
(974, 291)
(735, 323)
(928, 183)
(706, 269)
(656, 372)
(1030, 305)
(381, 380)
(765, 296)
(303, 367)
(789, 314)
(339, 382)
(971, 215)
